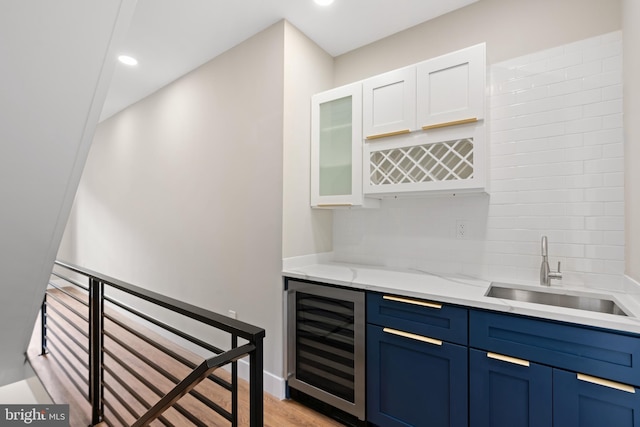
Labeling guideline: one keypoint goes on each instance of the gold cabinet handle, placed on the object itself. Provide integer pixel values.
(413, 301)
(606, 383)
(412, 336)
(508, 359)
(453, 123)
(334, 205)
(384, 135)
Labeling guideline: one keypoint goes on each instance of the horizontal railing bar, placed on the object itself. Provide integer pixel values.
(66, 333)
(191, 365)
(163, 325)
(69, 294)
(206, 401)
(66, 358)
(212, 405)
(233, 326)
(68, 307)
(193, 379)
(80, 389)
(66, 319)
(121, 400)
(133, 393)
(113, 411)
(71, 281)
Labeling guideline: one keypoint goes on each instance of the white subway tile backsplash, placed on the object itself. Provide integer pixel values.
(613, 150)
(591, 124)
(613, 238)
(565, 87)
(555, 146)
(603, 108)
(614, 209)
(612, 92)
(613, 121)
(604, 165)
(611, 194)
(615, 179)
(602, 80)
(615, 253)
(608, 136)
(585, 97)
(583, 70)
(615, 223)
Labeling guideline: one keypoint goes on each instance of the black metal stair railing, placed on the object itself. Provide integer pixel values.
(67, 342)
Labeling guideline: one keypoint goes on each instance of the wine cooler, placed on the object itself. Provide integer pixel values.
(326, 344)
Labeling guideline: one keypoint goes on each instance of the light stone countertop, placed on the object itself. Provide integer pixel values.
(468, 292)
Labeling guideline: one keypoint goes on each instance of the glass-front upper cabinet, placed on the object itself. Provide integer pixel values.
(336, 148)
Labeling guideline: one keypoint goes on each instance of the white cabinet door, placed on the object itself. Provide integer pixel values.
(389, 103)
(336, 147)
(451, 88)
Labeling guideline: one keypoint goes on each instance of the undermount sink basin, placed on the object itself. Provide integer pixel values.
(581, 302)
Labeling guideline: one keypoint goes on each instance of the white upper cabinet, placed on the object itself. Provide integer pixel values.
(336, 148)
(451, 88)
(389, 103)
(416, 130)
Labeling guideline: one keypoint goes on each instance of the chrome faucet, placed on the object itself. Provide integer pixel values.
(545, 273)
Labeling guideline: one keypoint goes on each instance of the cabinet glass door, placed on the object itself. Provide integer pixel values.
(335, 147)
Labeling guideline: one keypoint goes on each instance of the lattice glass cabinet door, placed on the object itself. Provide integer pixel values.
(336, 147)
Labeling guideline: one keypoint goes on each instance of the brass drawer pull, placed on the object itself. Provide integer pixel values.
(412, 336)
(453, 123)
(384, 135)
(606, 383)
(508, 359)
(413, 301)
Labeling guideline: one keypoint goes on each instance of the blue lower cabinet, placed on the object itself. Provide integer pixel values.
(415, 383)
(504, 392)
(579, 401)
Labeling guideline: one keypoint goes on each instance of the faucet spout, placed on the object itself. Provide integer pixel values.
(545, 272)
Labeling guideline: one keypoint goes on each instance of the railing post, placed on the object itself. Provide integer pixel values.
(234, 384)
(96, 341)
(256, 400)
(43, 326)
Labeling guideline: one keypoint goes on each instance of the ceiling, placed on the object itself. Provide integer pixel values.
(170, 38)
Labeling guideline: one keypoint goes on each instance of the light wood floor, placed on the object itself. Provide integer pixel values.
(277, 413)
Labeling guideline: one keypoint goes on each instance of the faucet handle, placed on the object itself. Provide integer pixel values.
(556, 274)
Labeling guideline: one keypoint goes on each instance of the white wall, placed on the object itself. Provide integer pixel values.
(53, 84)
(631, 17)
(308, 70)
(556, 169)
(182, 192)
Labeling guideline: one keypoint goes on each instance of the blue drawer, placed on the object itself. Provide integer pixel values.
(597, 352)
(427, 318)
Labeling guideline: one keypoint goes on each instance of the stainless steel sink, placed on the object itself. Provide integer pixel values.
(581, 302)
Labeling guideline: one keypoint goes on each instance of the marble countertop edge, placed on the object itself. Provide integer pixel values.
(470, 292)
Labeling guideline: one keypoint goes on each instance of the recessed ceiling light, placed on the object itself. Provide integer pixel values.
(128, 60)
(323, 2)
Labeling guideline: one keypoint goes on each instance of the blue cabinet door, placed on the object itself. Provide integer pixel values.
(583, 403)
(506, 394)
(415, 383)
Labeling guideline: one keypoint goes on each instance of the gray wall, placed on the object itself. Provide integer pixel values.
(182, 192)
(511, 28)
